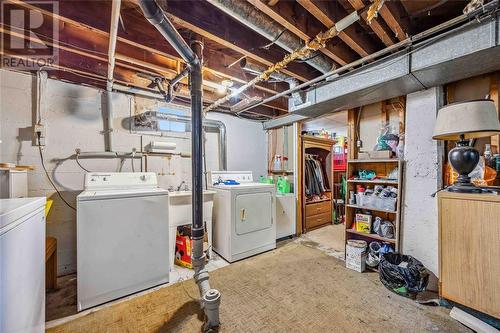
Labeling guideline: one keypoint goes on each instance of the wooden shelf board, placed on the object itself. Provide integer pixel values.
(374, 181)
(375, 209)
(373, 236)
(385, 160)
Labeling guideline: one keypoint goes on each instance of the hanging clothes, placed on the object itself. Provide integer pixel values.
(316, 181)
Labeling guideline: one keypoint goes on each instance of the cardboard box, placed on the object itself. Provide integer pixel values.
(363, 223)
(355, 258)
(374, 154)
(183, 251)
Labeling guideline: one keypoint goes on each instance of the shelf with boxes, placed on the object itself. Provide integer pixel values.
(373, 210)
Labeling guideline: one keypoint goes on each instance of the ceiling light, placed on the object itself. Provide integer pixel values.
(227, 83)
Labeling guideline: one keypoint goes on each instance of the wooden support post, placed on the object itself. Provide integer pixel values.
(352, 131)
(384, 114)
(402, 114)
(299, 186)
(495, 140)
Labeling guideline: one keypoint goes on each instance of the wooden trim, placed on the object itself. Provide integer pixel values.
(495, 140)
(352, 117)
(300, 184)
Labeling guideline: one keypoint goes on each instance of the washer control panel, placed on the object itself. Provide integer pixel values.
(120, 180)
(239, 176)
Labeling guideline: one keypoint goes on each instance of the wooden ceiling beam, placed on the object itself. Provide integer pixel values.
(284, 14)
(79, 37)
(377, 25)
(396, 18)
(92, 70)
(328, 15)
(209, 22)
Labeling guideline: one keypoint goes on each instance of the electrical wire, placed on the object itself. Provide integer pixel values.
(48, 177)
(79, 164)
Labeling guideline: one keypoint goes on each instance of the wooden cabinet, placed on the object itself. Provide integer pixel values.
(469, 250)
(317, 212)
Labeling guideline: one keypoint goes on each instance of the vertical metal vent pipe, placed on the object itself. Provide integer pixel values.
(253, 18)
(156, 16)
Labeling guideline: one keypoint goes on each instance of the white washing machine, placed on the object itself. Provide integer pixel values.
(122, 236)
(244, 215)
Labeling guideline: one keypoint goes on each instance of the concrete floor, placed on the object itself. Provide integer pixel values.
(300, 287)
(329, 239)
(61, 303)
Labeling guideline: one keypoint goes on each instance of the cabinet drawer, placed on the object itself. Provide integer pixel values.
(317, 220)
(318, 208)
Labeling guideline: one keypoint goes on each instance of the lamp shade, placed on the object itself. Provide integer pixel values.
(473, 119)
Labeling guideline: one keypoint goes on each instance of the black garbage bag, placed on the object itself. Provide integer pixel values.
(402, 274)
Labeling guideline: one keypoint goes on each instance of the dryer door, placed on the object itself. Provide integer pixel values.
(253, 212)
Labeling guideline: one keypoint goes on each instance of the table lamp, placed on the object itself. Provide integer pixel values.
(461, 122)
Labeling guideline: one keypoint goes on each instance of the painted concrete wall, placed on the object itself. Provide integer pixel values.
(72, 115)
(371, 123)
(422, 178)
(246, 144)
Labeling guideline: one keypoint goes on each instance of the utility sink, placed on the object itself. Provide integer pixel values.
(180, 213)
(179, 207)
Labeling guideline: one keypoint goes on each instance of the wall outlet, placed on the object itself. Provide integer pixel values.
(40, 135)
(359, 143)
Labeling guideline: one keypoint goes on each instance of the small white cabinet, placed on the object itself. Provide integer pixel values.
(285, 215)
(13, 183)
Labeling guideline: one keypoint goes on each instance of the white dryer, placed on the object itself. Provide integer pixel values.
(244, 215)
(122, 236)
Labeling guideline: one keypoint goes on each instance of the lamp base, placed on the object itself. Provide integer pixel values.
(464, 188)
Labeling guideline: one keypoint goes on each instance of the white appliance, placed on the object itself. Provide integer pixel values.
(122, 236)
(13, 183)
(22, 265)
(285, 215)
(244, 215)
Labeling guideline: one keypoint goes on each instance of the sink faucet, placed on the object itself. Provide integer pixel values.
(180, 186)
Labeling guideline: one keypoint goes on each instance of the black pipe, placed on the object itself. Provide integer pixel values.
(154, 14)
(196, 81)
(169, 96)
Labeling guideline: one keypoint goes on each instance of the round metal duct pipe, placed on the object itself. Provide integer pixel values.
(253, 18)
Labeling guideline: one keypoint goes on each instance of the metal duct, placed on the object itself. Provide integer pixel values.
(253, 18)
(464, 52)
(150, 119)
(298, 97)
(193, 57)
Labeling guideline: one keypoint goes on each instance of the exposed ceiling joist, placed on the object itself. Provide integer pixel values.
(93, 42)
(209, 22)
(327, 16)
(395, 16)
(83, 60)
(378, 27)
(283, 14)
